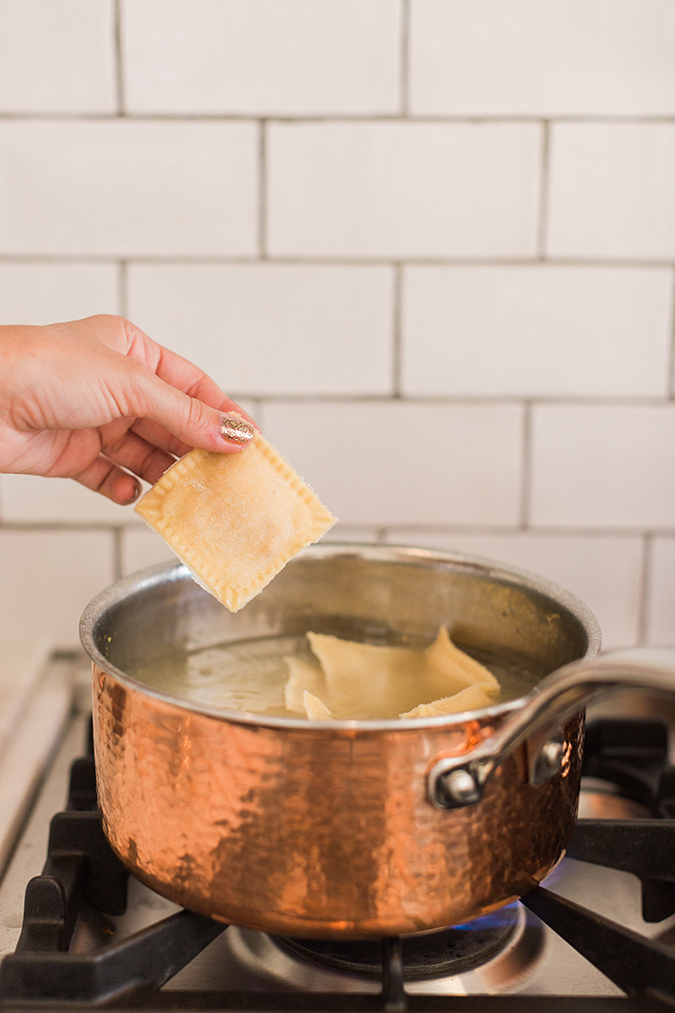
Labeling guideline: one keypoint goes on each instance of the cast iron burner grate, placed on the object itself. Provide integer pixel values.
(81, 870)
(450, 951)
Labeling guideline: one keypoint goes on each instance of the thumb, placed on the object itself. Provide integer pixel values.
(223, 429)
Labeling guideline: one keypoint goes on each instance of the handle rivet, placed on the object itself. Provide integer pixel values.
(550, 759)
(458, 786)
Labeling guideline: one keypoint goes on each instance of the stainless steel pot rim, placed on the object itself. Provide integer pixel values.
(377, 553)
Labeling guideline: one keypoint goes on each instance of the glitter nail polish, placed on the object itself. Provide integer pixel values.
(235, 429)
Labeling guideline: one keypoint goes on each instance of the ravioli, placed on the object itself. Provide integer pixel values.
(316, 709)
(235, 519)
(366, 681)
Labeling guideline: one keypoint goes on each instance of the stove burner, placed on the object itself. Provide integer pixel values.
(448, 952)
(601, 800)
(80, 872)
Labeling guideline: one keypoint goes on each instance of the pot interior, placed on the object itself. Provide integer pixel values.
(160, 630)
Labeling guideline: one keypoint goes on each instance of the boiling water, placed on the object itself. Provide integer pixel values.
(250, 675)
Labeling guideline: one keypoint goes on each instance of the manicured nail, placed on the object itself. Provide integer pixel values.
(235, 429)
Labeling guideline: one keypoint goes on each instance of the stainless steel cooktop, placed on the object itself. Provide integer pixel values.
(530, 960)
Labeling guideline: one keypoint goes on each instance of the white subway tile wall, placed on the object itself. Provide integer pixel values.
(57, 57)
(292, 58)
(398, 463)
(34, 292)
(604, 571)
(273, 328)
(47, 579)
(533, 331)
(542, 57)
(428, 244)
(142, 547)
(403, 189)
(124, 188)
(611, 191)
(24, 498)
(603, 466)
(661, 591)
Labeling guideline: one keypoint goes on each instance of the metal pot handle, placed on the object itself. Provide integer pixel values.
(457, 781)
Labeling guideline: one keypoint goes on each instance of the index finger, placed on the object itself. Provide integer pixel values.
(183, 374)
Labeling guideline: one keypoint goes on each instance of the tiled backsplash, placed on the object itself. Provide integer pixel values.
(429, 244)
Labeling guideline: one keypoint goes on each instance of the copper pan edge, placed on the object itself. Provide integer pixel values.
(306, 830)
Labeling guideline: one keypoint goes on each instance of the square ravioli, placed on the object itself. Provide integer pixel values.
(373, 682)
(234, 519)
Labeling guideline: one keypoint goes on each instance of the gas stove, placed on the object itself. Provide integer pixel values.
(599, 934)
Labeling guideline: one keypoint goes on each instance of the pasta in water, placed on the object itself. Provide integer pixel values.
(365, 681)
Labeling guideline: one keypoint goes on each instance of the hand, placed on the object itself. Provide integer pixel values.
(98, 401)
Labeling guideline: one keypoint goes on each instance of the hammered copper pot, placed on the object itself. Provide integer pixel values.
(351, 828)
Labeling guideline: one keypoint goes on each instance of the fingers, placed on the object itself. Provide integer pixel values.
(188, 419)
(105, 477)
(158, 436)
(125, 450)
(175, 404)
(202, 388)
(122, 452)
(180, 372)
(147, 381)
(134, 454)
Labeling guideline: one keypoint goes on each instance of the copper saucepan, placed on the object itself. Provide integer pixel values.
(351, 828)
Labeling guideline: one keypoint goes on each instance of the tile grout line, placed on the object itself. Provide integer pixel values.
(507, 531)
(526, 477)
(396, 357)
(123, 288)
(117, 552)
(258, 407)
(262, 191)
(334, 261)
(345, 117)
(460, 400)
(119, 65)
(643, 587)
(454, 529)
(405, 57)
(670, 366)
(71, 526)
(542, 232)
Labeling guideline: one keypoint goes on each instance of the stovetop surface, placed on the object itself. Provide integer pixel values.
(246, 969)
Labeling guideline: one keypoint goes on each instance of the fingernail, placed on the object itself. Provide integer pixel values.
(235, 429)
(135, 493)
